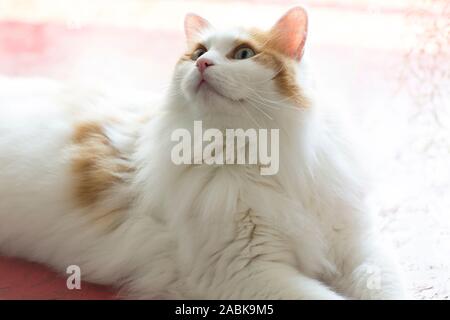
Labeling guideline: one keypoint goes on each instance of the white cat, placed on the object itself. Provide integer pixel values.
(87, 179)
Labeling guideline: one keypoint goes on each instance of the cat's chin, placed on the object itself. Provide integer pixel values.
(208, 100)
(208, 93)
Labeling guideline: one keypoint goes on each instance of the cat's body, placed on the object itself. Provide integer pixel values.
(88, 180)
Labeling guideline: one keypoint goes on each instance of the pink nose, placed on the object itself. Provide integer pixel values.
(203, 63)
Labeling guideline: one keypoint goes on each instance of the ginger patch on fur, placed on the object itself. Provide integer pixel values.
(97, 165)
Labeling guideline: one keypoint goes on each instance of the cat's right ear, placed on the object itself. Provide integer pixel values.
(193, 25)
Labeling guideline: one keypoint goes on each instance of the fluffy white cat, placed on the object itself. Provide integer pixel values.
(87, 179)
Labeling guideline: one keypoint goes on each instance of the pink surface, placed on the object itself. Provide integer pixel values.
(131, 56)
(25, 280)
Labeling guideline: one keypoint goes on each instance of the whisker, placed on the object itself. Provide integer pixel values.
(261, 110)
(249, 115)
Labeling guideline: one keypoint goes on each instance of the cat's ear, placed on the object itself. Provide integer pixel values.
(289, 33)
(193, 25)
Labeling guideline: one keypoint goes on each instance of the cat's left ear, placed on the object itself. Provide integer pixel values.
(193, 25)
(289, 33)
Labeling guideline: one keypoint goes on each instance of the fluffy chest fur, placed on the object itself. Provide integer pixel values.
(231, 218)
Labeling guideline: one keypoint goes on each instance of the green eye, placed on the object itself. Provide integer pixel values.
(244, 53)
(197, 53)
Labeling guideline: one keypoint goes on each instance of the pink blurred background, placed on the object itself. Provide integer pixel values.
(385, 63)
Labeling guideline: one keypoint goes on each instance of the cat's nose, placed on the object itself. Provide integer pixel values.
(203, 63)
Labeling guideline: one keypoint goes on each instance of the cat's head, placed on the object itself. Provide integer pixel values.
(228, 70)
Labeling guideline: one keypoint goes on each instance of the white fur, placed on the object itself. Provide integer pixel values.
(195, 231)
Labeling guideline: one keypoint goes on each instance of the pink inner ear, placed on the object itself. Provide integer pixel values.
(290, 32)
(194, 24)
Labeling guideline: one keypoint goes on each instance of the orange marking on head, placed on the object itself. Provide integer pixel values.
(271, 57)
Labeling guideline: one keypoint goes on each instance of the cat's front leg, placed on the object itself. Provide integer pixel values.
(275, 281)
(369, 272)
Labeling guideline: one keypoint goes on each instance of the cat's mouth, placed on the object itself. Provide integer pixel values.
(205, 85)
